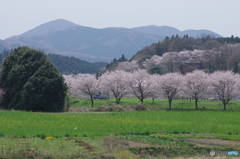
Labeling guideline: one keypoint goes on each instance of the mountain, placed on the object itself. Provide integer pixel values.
(49, 27)
(199, 33)
(66, 38)
(168, 31)
(2, 45)
(88, 43)
(158, 30)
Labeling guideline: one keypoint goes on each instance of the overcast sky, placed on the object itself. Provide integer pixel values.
(220, 16)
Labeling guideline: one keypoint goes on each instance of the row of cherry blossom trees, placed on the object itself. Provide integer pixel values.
(225, 58)
(196, 85)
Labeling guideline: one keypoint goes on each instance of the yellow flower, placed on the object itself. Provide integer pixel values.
(49, 138)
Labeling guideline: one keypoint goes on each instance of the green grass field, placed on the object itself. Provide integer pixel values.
(29, 124)
(160, 104)
(23, 134)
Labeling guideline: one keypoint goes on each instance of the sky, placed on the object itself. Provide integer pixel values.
(220, 16)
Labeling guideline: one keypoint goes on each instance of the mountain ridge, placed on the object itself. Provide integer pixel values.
(67, 38)
(167, 30)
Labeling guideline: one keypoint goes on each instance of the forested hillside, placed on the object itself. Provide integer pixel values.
(184, 54)
(177, 44)
(3, 55)
(66, 64)
(72, 65)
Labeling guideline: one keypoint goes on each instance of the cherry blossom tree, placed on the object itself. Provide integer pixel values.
(139, 84)
(155, 86)
(154, 61)
(169, 86)
(85, 83)
(115, 82)
(225, 84)
(128, 66)
(172, 61)
(196, 85)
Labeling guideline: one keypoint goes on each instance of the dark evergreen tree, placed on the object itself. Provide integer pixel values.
(166, 38)
(32, 82)
(122, 59)
(155, 70)
(236, 68)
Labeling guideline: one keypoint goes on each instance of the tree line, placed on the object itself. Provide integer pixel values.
(139, 83)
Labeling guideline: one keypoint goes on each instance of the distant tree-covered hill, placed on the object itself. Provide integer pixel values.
(3, 55)
(72, 65)
(177, 44)
(66, 64)
(184, 54)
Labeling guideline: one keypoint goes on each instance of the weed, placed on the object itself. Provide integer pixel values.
(2, 134)
(42, 136)
(176, 132)
(67, 135)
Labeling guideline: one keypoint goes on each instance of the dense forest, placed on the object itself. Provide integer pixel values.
(67, 65)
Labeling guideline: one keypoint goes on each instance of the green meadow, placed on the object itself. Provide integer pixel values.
(95, 134)
(29, 124)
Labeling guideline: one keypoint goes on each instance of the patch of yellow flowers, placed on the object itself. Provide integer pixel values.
(49, 138)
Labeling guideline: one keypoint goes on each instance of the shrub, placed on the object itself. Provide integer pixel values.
(140, 107)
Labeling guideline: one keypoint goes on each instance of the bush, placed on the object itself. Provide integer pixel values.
(140, 107)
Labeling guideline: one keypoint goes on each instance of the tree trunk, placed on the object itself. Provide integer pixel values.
(224, 105)
(196, 103)
(170, 104)
(68, 104)
(91, 100)
(117, 100)
(153, 100)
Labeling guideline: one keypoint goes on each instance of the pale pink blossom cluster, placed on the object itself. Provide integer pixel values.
(128, 66)
(224, 85)
(83, 84)
(171, 61)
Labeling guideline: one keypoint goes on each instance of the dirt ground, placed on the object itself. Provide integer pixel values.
(138, 144)
(207, 158)
(199, 142)
(215, 142)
